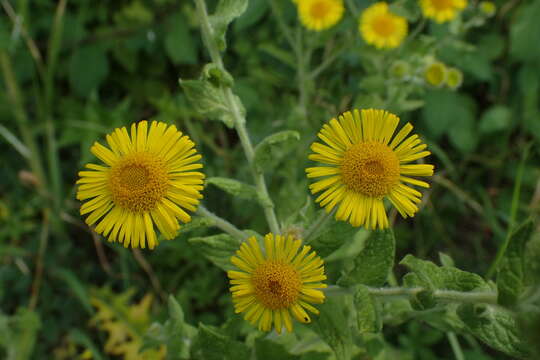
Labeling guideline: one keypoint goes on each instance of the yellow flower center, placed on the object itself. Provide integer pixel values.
(138, 181)
(384, 25)
(442, 4)
(319, 9)
(277, 285)
(370, 168)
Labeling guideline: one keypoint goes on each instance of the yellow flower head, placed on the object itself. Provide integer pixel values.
(276, 282)
(442, 10)
(365, 164)
(454, 78)
(148, 179)
(320, 15)
(379, 27)
(435, 74)
(488, 8)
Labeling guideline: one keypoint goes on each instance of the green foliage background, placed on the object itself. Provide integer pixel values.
(106, 64)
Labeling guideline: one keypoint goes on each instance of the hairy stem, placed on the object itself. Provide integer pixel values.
(222, 223)
(239, 119)
(488, 297)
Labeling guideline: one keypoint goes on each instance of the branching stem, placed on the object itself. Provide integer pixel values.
(239, 119)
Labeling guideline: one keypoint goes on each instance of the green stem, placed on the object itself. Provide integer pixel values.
(222, 223)
(19, 113)
(454, 343)
(488, 297)
(239, 119)
(513, 213)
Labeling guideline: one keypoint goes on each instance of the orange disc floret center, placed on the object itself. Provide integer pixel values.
(319, 9)
(138, 181)
(277, 285)
(370, 168)
(384, 25)
(442, 4)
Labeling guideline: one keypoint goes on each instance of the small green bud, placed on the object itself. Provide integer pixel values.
(400, 69)
(487, 8)
(454, 78)
(435, 74)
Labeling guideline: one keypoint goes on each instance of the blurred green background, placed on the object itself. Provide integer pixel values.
(71, 71)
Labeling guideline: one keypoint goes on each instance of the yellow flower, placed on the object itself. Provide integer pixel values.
(442, 10)
(379, 27)
(366, 164)
(435, 74)
(454, 79)
(146, 180)
(281, 280)
(488, 8)
(320, 14)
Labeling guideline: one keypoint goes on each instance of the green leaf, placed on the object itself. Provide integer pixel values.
(266, 349)
(18, 333)
(217, 248)
(88, 67)
(431, 277)
(446, 260)
(197, 222)
(176, 334)
(273, 148)
(372, 265)
(495, 327)
(78, 288)
(234, 187)
(255, 11)
(496, 118)
(79, 337)
(511, 274)
(226, 12)
(525, 24)
(332, 237)
(179, 44)
(332, 325)
(208, 100)
(212, 344)
(367, 312)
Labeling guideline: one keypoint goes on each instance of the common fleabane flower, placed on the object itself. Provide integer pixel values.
(442, 10)
(320, 15)
(147, 179)
(435, 73)
(366, 163)
(276, 281)
(381, 28)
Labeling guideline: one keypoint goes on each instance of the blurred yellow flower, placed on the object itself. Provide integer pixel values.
(148, 179)
(367, 163)
(442, 10)
(276, 282)
(320, 15)
(488, 8)
(435, 74)
(381, 28)
(454, 78)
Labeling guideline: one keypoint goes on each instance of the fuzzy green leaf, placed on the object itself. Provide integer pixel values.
(274, 147)
(208, 100)
(496, 327)
(212, 344)
(511, 274)
(217, 248)
(367, 312)
(333, 327)
(376, 259)
(268, 349)
(234, 187)
(333, 237)
(226, 12)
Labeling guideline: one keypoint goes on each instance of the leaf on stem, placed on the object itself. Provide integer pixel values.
(372, 265)
(511, 274)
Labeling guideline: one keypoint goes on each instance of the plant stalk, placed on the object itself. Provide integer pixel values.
(239, 119)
